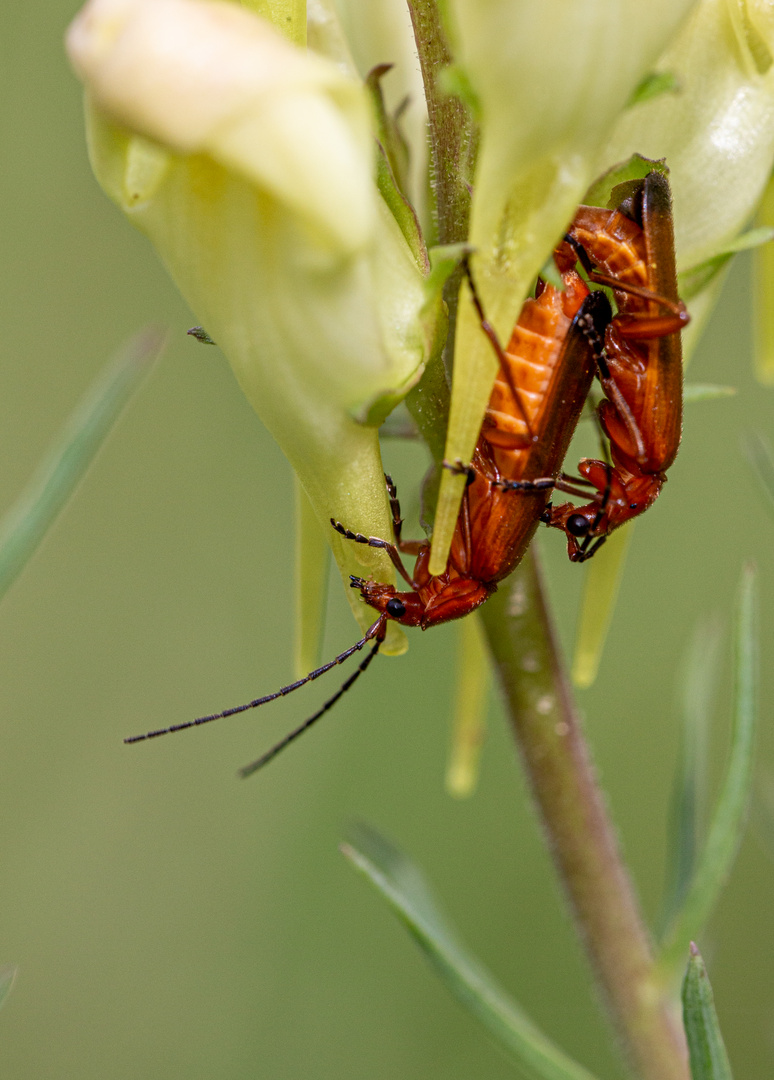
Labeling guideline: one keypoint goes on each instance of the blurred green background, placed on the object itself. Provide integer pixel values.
(171, 921)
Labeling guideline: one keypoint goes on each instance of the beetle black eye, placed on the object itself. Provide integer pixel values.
(396, 608)
(577, 525)
(632, 506)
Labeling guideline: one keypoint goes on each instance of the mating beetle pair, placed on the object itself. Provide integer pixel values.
(561, 340)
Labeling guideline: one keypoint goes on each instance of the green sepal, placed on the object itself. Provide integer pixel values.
(618, 182)
(388, 133)
(400, 208)
(706, 1049)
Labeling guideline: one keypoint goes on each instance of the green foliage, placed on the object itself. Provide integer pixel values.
(26, 523)
(709, 1060)
(699, 685)
(713, 865)
(603, 191)
(405, 890)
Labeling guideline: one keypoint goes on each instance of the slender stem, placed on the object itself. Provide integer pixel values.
(453, 144)
(451, 127)
(581, 837)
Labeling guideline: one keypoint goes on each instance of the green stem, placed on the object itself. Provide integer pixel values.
(580, 835)
(451, 127)
(453, 143)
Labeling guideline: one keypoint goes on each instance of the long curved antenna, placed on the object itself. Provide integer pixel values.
(377, 630)
(264, 759)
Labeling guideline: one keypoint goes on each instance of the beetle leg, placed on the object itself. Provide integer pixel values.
(539, 484)
(459, 468)
(375, 542)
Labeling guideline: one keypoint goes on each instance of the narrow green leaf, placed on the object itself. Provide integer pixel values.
(28, 520)
(311, 581)
(403, 886)
(709, 1060)
(706, 392)
(600, 592)
(728, 821)
(7, 978)
(401, 208)
(470, 704)
(698, 685)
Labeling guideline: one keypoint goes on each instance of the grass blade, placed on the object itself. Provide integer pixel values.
(709, 1060)
(728, 821)
(698, 687)
(404, 888)
(26, 523)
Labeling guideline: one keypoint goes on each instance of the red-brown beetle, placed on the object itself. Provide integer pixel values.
(631, 250)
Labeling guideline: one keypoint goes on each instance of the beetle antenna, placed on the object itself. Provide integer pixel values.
(377, 630)
(264, 759)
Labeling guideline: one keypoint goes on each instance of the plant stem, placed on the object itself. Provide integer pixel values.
(449, 123)
(581, 837)
(453, 137)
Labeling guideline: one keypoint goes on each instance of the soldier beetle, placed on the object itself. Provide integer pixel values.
(631, 250)
(544, 378)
